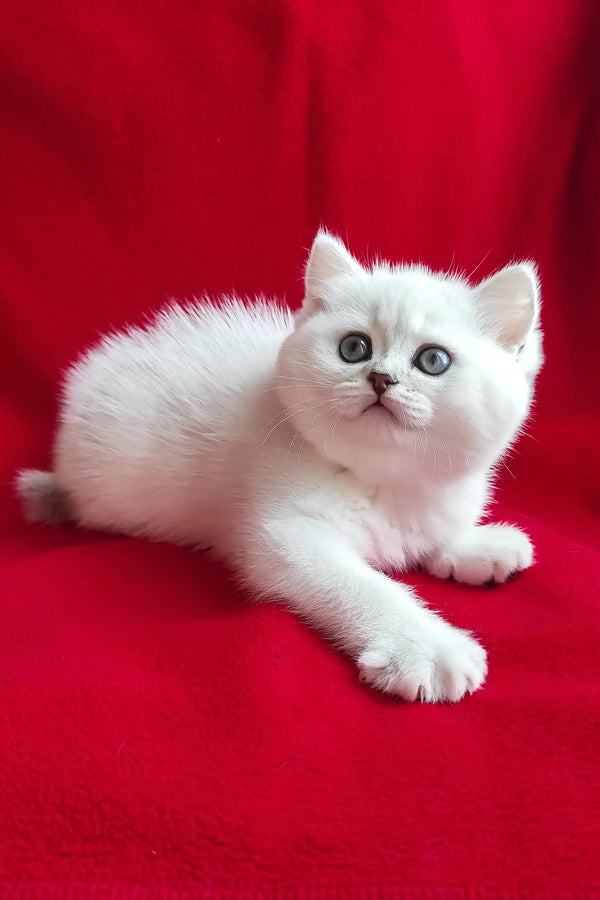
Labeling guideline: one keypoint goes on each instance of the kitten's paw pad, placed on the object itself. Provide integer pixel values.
(433, 671)
(488, 553)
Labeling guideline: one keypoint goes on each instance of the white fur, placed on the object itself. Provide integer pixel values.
(240, 427)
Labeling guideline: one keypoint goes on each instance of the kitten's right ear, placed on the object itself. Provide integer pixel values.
(508, 303)
(329, 259)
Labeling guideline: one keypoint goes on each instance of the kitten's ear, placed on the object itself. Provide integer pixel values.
(508, 303)
(328, 259)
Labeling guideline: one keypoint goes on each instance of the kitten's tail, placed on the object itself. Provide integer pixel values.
(44, 500)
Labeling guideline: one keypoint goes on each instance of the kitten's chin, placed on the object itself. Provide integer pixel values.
(374, 432)
(390, 423)
(379, 410)
(379, 415)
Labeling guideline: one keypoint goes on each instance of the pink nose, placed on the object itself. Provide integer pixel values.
(380, 382)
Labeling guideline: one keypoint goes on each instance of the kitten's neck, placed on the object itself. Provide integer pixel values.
(407, 469)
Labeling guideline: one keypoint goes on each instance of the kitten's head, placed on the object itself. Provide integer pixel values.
(390, 365)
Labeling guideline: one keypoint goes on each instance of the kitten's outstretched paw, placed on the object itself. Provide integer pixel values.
(483, 554)
(436, 669)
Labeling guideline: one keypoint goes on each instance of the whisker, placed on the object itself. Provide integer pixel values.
(434, 453)
(447, 448)
(325, 413)
(313, 384)
(321, 421)
(334, 423)
(512, 475)
(463, 417)
(294, 406)
(454, 434)
(478, 265)
(289, 413)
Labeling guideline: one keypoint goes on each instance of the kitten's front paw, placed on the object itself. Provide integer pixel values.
(441, 665)
(482, 554)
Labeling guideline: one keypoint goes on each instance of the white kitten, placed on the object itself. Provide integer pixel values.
(311, 451)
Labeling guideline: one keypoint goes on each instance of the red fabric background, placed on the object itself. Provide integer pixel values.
(157, 732)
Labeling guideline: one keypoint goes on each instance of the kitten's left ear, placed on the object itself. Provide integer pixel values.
(508, 303)
(329, 259)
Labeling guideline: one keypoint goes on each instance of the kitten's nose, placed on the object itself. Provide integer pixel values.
(380, 382)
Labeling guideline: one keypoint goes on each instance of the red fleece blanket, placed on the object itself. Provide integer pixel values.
(160, 736)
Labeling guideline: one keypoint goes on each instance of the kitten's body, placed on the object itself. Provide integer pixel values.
(234, 426)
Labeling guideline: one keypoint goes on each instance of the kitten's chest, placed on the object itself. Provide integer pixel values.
(399, 535)
(399, 527)
(395, 526)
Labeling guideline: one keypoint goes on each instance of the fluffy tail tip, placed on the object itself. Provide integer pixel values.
(43, 498)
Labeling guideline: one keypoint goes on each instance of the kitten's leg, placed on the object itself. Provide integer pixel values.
(482, 553)
(400, 646)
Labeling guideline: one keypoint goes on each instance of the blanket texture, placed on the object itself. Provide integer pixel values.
(161, 736)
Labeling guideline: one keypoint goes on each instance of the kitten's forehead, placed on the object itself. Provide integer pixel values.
(412, 298)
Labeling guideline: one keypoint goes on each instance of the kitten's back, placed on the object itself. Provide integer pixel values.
(152, 419)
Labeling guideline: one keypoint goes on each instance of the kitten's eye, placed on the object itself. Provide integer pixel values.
(432, 360)
(356, 348)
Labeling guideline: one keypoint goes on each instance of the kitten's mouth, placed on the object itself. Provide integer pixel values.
(378, 406)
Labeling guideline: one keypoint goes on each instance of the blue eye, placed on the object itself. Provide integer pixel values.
(432, 360)
(355, 348)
